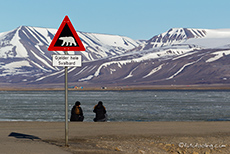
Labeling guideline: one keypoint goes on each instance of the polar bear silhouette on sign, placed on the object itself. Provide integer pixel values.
(68, 41)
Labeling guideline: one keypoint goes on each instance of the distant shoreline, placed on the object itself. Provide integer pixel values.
(118, 88)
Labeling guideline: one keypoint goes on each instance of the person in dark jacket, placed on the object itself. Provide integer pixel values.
(100, 111)
(76, 112)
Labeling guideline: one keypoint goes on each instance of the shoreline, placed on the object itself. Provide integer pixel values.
(111, 87)
(116, 137)
(122, 88)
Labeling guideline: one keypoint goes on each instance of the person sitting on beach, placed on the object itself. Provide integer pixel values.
(76, 112)
(100, 111)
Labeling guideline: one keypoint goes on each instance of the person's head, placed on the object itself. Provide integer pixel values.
(77, 103)
(100, 103)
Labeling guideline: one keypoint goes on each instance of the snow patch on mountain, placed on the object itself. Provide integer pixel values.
(14, 68)
(50, 75)
(182, 68)
(42, 60)
(210, 40)
(153, 71)
(174, 36)
(19, 48)
(87, 78)
(103, 45)
(131, 73)
(218, 55)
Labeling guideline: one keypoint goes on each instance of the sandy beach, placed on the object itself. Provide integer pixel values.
(115, 137)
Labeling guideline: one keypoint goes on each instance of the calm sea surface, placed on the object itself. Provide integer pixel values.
(120, 105)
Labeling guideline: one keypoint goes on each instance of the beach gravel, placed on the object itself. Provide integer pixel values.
(115, 137)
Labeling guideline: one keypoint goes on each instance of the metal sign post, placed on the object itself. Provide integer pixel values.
(66, 105)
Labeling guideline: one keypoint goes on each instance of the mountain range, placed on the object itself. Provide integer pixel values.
(180, 56)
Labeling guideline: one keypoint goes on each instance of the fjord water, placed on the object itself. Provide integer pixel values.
(154, 105)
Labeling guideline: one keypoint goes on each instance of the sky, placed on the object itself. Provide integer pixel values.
(137, 19)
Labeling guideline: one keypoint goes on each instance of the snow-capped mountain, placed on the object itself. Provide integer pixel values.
(180, 56)
(23, 51)
(202, 38)
(18, 43)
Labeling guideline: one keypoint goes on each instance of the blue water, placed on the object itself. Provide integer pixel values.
(120, 105)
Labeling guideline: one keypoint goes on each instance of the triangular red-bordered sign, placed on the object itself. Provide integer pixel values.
(66, 38)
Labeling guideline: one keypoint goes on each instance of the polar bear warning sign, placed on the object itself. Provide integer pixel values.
(66, 38)
(68, 41)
